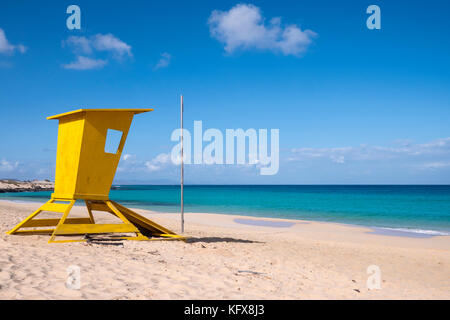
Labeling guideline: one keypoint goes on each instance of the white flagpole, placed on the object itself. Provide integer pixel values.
(182, 170)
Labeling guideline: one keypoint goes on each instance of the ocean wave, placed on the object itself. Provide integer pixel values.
(419, 231)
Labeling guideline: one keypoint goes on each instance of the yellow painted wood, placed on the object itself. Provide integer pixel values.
(138, 238)
(70, 136)
(88, 206)
(169, 239)
(30, 217)
(116, 211)
(94, 228)
(35, 232)
(142, 221)
(63, 219)
(80, 196)
(67, 241)
(99, 206)
(169, 235)
(135, 111)
(54, 222)
(83, 169)
(55, 207)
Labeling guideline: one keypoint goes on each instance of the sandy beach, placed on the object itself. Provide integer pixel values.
(225, 258)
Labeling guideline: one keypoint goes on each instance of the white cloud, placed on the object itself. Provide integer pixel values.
(243, 27)
(162, 158)
(338, 159)
(130, 163)
(434, 165)
(6, 166)
(152, 167)
(83, 47)
(164, 61)
(108, 42)
(8, 48)
(158, 162)
(439, 148)
(85, 63)
(127, 157)
(80, 45)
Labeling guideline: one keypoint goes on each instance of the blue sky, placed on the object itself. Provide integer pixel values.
(353, 105)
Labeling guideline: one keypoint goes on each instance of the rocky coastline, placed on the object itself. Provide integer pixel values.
(22, 186)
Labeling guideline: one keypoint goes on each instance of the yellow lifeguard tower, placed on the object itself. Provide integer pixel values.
(85, 171)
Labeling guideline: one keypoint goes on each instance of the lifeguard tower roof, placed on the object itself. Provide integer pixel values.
(134, 111)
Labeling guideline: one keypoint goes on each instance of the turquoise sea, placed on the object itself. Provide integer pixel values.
(422, 209)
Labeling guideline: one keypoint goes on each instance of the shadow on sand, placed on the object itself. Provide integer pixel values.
(219, 239)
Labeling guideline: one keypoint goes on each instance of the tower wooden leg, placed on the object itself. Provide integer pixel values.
(89, 208)
(132, 223)
(155, 229)
(139, 235)
(61, 222)
(29, 218)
